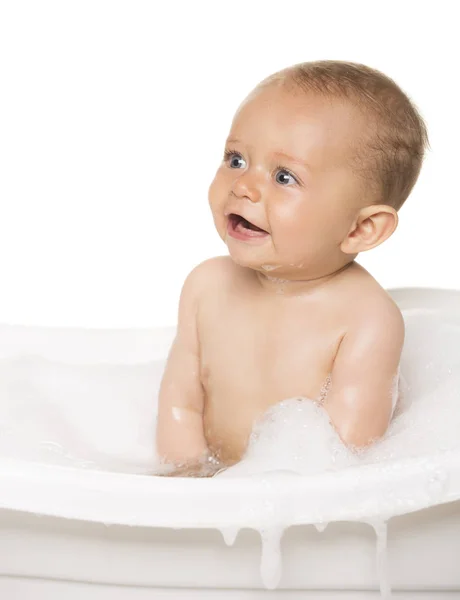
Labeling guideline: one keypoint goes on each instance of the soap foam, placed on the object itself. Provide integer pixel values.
(296, 435)
(93, 416)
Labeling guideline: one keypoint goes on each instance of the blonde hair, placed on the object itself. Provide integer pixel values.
(392, 152)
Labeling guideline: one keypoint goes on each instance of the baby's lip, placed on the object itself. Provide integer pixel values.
(233, 215)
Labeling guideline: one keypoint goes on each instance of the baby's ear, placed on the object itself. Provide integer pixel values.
(374, 225)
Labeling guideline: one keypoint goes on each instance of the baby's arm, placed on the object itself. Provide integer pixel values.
(180, 438)
(359, 402)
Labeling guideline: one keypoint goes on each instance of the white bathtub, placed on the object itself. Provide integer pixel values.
(72, 532)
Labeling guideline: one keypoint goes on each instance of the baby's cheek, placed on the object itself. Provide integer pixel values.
(294, 241)
(219, 187)
(213, 194)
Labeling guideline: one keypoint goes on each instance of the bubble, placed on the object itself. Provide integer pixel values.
(437, 484)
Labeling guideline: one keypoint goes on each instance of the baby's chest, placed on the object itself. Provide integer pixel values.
(267, 350)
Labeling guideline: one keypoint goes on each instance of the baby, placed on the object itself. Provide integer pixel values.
(319, 159)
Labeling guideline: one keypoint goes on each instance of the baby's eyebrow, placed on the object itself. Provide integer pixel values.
(277, 153)
(292, 159)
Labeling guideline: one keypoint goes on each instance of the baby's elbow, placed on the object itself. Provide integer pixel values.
(358, 436)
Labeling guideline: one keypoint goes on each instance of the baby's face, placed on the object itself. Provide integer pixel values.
(286, 170)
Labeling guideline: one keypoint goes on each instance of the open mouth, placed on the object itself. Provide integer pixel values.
(242, 225)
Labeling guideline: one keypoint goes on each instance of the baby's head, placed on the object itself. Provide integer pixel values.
(320, 156)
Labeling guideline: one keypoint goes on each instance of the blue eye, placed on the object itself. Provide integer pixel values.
(285, 173)
(234, 157)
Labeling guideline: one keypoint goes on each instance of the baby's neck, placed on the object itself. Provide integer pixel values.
(294, 285)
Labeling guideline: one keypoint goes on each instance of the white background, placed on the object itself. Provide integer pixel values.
(113, 116)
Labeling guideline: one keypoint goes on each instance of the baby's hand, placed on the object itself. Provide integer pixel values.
(208, 466)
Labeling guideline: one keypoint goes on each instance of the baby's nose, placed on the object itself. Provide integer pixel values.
(246, 187)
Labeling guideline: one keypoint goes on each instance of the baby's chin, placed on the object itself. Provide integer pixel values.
(262, 257)
(275, 270)
(264, 265)
(251, 258)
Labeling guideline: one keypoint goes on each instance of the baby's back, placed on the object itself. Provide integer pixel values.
(259, 346)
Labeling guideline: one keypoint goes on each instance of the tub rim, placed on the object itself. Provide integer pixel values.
(235, 502)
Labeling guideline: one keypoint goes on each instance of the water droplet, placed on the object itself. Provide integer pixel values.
(270, 561)
(229, 534)
(381, 531)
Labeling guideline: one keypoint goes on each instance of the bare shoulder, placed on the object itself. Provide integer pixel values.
(212, 269)
(214, 266)
(211, 272)
(371, 307)
(195, 289)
